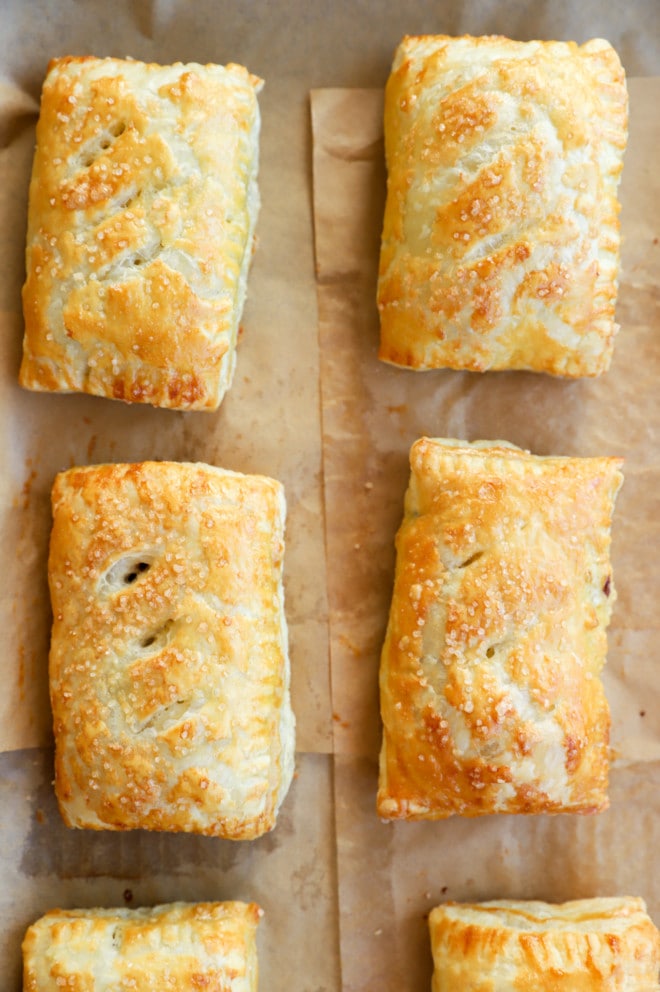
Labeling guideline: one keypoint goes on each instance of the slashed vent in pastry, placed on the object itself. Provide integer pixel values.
(588, 945)
(490, 692)
(180, 947)
(169, 669)
(500, 246)
(142, 210)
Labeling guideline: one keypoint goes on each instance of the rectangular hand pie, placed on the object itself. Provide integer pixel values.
(588, 945)
(141, 218)
(490, 692)
(500, 245)
(169, 669)
(182, 947)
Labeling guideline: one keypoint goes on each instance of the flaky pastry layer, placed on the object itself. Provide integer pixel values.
(182, 947)
(142, 209)
(588, 945)
(500, 245)
(169, 669)
(490, 692)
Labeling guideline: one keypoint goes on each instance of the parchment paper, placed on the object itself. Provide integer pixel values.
(391, 875)
(270, 423)
(289, 872)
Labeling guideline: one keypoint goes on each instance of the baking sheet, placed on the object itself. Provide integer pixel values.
(294, 46)
(371, 415)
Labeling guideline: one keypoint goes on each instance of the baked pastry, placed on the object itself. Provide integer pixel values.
(500, 246)
(169, 669)
(490, 692)
(182, 946)
(589, 945)
(142, 210)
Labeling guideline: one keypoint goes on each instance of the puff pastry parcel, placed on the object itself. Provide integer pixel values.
(142, 209)
(589, 945)
(169, 670)
(500, 246)
(180, 946)
(490, 692)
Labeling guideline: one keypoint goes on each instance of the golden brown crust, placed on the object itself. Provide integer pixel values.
(180, 946)
(142, 209)
(169, 671)
(490, 691)
(500, 242)
(588, 945)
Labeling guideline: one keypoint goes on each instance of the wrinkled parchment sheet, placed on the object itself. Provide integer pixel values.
(371, 415)
(391, 875)
(269, 423)
(289, 872)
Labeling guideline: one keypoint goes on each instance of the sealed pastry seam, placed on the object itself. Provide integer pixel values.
(500, 244)
(604, 944)
(181, 946)
(169, 666)
(491, 698)
(142, 210)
